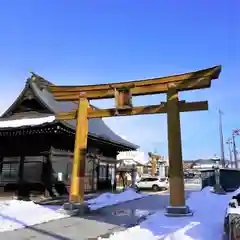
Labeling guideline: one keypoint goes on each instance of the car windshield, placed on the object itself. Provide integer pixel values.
(149, 179)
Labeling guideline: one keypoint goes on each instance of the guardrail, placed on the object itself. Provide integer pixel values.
(193, 181)
(193, 184)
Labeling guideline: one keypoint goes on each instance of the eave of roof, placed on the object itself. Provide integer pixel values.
(97, 128)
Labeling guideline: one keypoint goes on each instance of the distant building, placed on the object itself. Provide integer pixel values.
(187, 165)
(163, 165)
(201, 164)
(129, 160)
(132, 157)
(142, 162)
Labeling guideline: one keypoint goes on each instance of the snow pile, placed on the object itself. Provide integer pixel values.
(107, 199)
(206, 223)
(15, 214)
(133, 233)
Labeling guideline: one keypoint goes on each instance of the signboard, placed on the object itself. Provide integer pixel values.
(60, 176)
(123, 98)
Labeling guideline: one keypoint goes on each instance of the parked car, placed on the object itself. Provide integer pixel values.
(154, 183)
(232, 219)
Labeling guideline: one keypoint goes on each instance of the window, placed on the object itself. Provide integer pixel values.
(102, 172)
(111, 171)
(10, 172)
(152, 179)
(143, 180)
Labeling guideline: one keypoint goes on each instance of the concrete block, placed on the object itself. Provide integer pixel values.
(78, 208)
(218, 189)
(178, 211)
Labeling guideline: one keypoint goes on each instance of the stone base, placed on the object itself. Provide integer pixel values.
(179, 211)
(218, 189)
(77, 207)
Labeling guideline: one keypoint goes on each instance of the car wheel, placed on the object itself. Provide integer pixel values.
(155, 188)
(137, 189)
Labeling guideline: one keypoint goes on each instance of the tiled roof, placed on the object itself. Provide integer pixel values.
(97, 127)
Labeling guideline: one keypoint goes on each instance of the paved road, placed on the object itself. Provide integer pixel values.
(99, 223)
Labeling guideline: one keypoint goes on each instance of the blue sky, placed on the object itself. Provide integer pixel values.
(88, 42)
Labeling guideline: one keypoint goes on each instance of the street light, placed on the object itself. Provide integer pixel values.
(229, 142)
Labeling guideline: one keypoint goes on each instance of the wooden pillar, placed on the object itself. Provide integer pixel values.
(93, 173)
(48, 173)
(22, 192)
(1, 167)
(78, 169)
(175, 151)
(107, 172)
(134, 174)
(115, 176)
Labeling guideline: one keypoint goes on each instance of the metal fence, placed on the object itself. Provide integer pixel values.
(193, 181)
(229, 178)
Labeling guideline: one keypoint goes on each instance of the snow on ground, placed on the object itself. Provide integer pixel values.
(206, 223)
(15, 214)
(107, 199)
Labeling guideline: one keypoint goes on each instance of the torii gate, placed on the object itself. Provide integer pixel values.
(123, 92)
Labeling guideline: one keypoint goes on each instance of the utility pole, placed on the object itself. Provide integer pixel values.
(220, 113)
(234, 134)
(229, 143)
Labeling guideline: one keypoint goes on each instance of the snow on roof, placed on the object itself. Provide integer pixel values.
(26, 122)
(97, 127)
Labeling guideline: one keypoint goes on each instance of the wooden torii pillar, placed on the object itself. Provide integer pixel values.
(123, 92)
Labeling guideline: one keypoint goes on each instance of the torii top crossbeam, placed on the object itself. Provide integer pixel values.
(182, 82)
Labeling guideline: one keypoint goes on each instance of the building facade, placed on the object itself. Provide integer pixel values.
(31, 138)
(142, 162)
(131, 163)
(162, 169)
(205, 164)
